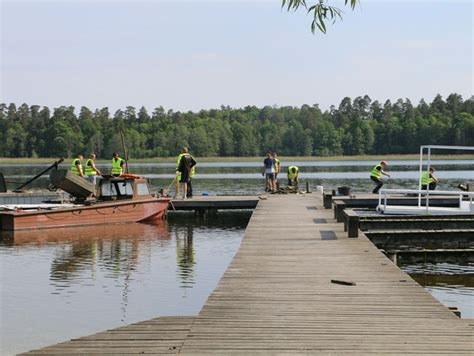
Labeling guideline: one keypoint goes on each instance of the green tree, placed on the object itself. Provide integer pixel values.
(327, 139)
(62, 140)
(356, 126)
(245, 140)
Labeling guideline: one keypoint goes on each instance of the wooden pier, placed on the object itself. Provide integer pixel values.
(299, 285)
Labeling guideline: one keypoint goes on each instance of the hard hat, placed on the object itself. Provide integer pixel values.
(384, 162)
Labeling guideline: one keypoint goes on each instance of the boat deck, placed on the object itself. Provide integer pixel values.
(299, 285)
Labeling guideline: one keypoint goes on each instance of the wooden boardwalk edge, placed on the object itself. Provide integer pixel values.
(164, 336)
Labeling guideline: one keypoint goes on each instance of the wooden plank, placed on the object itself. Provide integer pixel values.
(164, 335)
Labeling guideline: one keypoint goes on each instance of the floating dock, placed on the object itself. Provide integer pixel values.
(216, 202)
(299, 285)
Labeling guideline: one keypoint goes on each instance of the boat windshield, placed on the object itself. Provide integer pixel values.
(142, 189)
(116, 189)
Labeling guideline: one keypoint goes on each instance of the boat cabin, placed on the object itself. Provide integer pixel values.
(117, 188)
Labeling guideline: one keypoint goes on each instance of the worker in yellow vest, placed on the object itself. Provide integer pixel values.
(178, 175)
(184, 172)
(189, 186)
(376, 175)
(76, 165)
(277, 169)
(117, 165)
(91, 171)
(428, 180)
(293, 176)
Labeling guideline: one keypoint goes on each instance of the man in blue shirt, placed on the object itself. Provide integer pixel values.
(269, 172)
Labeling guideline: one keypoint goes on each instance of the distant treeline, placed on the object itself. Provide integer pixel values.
(356, 127)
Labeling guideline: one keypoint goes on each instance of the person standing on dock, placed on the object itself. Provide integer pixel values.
(189, 192)
(185, 167)
(293, 176)
(189, 187)
(91, 171)
(376, 175)
(428, 180)
(117, 165)
(269, 172)
(177, 176)
(76, 166)
(277, 169)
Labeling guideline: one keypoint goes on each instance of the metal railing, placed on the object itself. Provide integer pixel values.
(429, 148)
(421, 192)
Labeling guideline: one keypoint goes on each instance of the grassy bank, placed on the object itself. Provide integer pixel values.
(249, 159)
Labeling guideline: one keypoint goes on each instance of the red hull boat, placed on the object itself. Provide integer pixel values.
(119, 200)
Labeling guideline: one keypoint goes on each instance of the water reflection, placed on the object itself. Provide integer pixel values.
(185, 255)
(113, 249)
(123, 272)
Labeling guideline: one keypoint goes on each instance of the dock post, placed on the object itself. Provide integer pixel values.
(353, 226)
(339, 207)
(351, 223)
(327, 201)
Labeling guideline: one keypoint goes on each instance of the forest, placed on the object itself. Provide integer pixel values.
(357, 126)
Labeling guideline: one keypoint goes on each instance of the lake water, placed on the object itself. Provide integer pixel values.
(76, 282)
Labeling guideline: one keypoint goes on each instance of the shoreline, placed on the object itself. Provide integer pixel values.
(392, 157)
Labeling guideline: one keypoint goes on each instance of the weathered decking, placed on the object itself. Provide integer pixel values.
(164, 336)
(278, 297)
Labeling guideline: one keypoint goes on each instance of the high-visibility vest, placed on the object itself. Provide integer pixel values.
(89, 170)
(178, 174)
(277, 165)
(75, 167)
(116, 166)
(426, 179)
(292, 175)
(178, 160)
(376, 172)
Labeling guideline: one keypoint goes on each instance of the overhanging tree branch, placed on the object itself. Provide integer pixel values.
(322, 11)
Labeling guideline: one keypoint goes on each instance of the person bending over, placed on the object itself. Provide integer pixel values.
(376, 175)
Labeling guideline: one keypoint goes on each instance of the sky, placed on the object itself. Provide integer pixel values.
(193, 55)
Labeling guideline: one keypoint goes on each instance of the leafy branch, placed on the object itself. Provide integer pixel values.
(322, 11)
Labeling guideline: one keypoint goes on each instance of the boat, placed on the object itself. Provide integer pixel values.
(120, 199)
